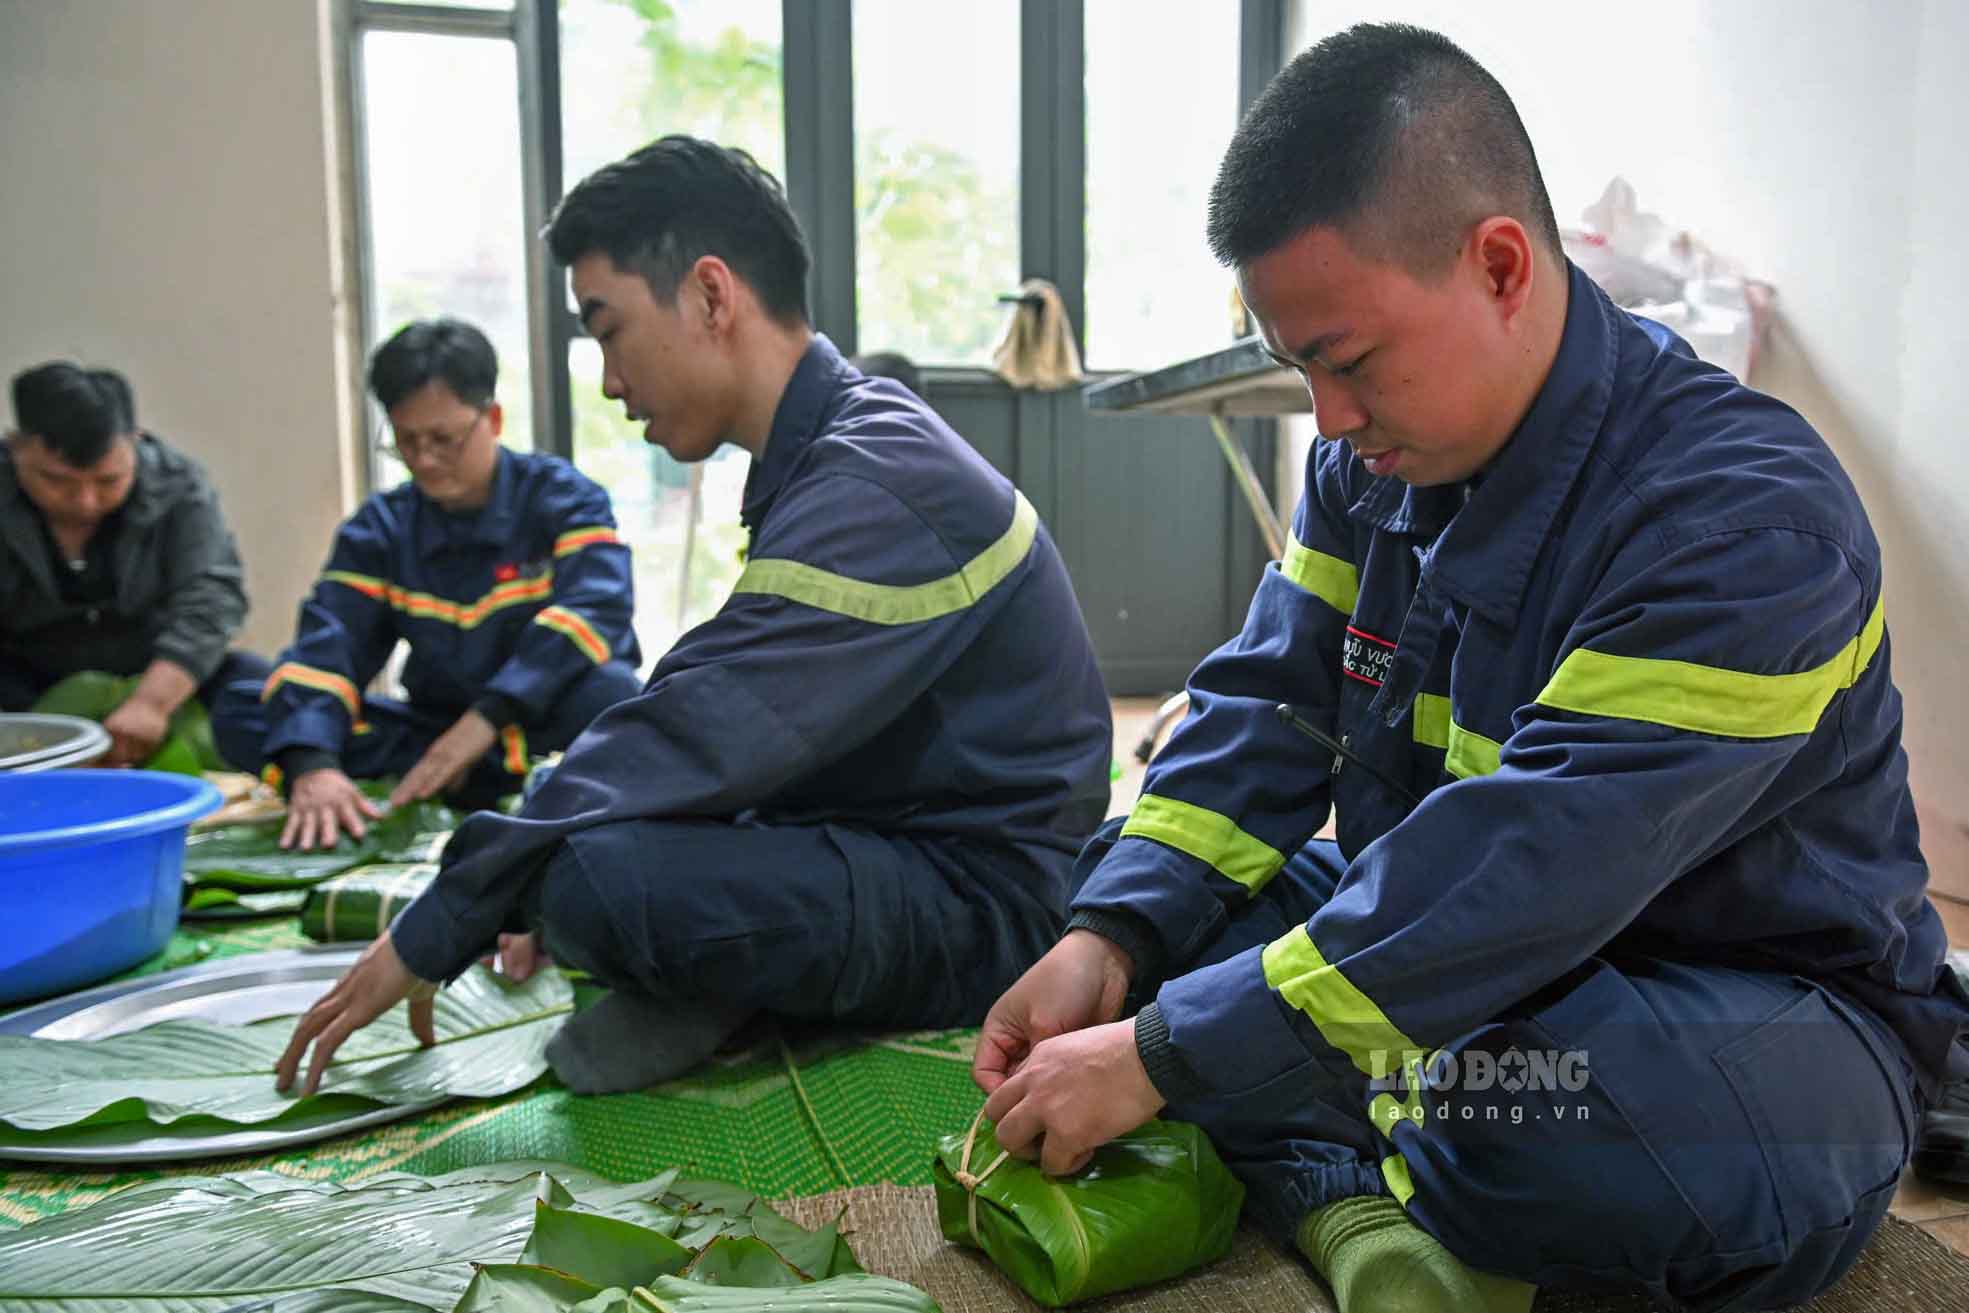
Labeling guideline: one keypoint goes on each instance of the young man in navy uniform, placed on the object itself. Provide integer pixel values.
(857, 791)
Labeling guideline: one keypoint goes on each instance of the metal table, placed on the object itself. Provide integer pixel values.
(1240, 381)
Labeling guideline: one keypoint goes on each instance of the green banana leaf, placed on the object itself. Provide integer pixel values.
(604, 1251)
(215, 904)
(397, 1243)
(742, 1261)
(1151, 1205)
(249, 857)
(509, 1288)
(94, 694)
(359, 905)
(190, 1076)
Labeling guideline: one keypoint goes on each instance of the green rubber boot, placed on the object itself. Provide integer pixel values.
(1378, 1261)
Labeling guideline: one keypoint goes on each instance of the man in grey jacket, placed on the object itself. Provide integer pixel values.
(113, 557)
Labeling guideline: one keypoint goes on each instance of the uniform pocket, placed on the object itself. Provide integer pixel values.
(1831, 1116)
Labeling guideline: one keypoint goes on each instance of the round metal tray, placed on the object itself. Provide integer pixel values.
(234, 990)
(36, 742)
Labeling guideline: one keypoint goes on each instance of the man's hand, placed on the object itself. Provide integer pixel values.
(377, 982)
(447, 760)
(143, 721)
(136, 729)
(320, 806)
(1081, 982)
(519, 956)
(1073, 1094)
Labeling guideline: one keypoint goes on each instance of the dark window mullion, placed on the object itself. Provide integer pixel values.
(1053, 152)
(1261, 47)
(549, 326)
(817, 67)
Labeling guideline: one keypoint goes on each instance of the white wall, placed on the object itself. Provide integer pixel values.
(1821, 143)
(166, 212)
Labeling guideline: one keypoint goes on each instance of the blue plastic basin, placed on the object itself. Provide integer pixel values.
(91, 863)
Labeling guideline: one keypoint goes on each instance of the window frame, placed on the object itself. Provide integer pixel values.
(817, 68)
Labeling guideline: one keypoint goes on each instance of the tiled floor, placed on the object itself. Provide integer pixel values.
(1942, 1213)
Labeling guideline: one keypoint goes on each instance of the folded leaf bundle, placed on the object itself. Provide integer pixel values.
(1150, 1206)
(249, 857)
(188, 1077)
(359, 904)
(211, 903)
(509, 1236)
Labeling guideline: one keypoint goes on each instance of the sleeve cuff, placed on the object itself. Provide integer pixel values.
(1170, 1075)
(1227, 1026)
(296, 762)
(426, 941)
(1131, 933)
(198, 660)
(498, 709)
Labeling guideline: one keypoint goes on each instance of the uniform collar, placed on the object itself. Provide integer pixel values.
(492, 525)
(796, 422)
(1497, 525)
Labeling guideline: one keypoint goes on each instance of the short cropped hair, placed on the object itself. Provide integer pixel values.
(449, 351)
(77, 412)
(1390, 134)
(678, 199)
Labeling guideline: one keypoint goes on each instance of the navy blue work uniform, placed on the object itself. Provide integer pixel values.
(520, 609)
(1621, 972)
(856, 791)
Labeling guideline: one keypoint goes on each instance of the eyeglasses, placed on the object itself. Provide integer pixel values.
(440, 447)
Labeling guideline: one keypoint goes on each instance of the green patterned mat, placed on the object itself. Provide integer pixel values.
(793, 1113)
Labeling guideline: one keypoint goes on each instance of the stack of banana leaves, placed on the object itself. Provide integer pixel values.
(194, 1079)
(241, 870)
(506, 1238)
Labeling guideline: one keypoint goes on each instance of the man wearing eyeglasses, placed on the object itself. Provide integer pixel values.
(503, 572)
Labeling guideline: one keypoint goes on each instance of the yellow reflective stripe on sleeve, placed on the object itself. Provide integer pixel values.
(1346, 1018)
(1470, 753)
(1328, 578)
(1709, 699)
(1466, 752)
(890, 604)
(1207, 836)
(1394, 1170)
(579, 631)
(325, 681)
(369, 586)
(575, 539)
(1386, 1112)
(514, 739)
(1432, 720)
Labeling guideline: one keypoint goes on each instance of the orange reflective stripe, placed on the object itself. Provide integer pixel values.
(369, 586)
(515, 740)
(325, 681)
(579, 631)
(426, 607)
(575, 539)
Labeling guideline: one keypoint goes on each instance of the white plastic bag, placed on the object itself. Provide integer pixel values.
(1672, 277)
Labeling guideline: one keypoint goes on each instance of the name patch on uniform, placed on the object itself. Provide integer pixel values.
(508, 571)
(1366, 657)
